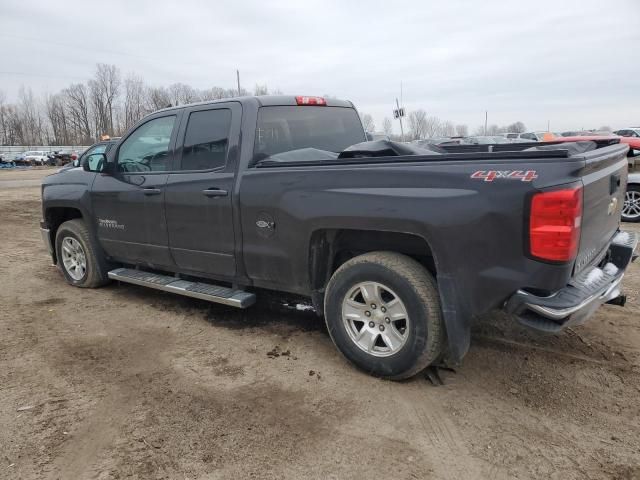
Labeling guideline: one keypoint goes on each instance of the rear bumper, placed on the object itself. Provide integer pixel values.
(578, 301)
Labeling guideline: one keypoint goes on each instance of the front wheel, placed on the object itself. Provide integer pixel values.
(631, 207)
(81, 262)
(382, 311)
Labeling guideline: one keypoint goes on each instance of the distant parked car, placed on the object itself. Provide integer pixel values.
(630, 136)
(63, 157)
(35, 157)
(538, 136)
(485, 140)
(631, 207)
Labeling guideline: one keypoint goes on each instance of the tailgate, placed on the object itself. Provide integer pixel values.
(605, 180)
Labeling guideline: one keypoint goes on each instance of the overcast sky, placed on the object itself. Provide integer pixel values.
(574, 63)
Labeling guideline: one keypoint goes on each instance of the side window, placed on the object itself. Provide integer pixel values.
(86, 155)
(206, 139)
(147, 149)
(95, 161)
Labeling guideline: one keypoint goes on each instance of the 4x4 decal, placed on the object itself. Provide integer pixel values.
(491, 175)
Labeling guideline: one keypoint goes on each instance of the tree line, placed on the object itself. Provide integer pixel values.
(107, 104)
(421, 126)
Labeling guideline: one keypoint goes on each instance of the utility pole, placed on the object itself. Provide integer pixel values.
(486, 116)
(400, 115)
(238, 78)
(548, 125)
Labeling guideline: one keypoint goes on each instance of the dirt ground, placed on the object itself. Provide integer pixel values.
(126, 382)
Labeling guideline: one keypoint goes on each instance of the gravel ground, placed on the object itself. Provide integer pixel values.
(126, 382)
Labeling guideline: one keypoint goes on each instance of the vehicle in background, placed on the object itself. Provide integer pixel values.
(631, 207)
(632, 141)
(100, 147)
(510, 135)
(630, 136)
(63, 157)
(629, 132)
(438, 141)
(538, 136)
(484, 140)
(36, 157)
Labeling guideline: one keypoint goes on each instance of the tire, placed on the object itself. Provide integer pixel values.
(631, 208)
(74, 236)
(397, 277)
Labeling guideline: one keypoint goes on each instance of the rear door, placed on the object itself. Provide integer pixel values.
(199, 192)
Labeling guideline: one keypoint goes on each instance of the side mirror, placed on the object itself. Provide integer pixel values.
(96, 162)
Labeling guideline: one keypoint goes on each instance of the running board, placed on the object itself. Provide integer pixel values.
(203, 291)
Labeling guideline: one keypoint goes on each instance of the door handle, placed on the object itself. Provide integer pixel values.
(151, 191)
(214, 192)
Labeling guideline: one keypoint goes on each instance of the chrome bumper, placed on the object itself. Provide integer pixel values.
(578, 301)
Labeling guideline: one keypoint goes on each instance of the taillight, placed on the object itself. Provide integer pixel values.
(554, 224)
(311, 101)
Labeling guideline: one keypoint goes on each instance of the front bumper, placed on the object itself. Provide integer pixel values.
(579, 300)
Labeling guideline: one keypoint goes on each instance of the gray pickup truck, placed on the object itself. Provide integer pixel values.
(399, 247)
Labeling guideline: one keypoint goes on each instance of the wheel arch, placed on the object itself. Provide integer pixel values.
(329, 248)
(54, 217)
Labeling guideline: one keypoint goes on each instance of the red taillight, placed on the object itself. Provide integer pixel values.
(310, 101)
(554, 224)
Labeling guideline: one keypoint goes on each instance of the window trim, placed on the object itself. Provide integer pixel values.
(171, 147)
(183, 134)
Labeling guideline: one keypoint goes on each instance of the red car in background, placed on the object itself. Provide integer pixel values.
(632, 141)
(630, 136)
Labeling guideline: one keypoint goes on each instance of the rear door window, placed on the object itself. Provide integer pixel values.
(206, 140)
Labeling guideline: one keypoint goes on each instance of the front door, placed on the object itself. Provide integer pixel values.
(199, 193)
(128, 204)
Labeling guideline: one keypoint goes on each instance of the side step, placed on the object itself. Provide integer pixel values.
(166, 283)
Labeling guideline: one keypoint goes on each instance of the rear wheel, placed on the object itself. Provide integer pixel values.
(81, 262)
(631, 207)
(383, 313)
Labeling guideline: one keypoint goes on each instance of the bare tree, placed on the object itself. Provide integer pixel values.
(387, 126)
(432, 127)
(367, 123)
(493, 130)
(517, 127)
(260, 90)
(57, 116)
(76, 98)
(462, 130)
(104, 88)
(182, 94)
(448, 129)
(29, 112)
(134, 100)
(158, 98)
(417, 124)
